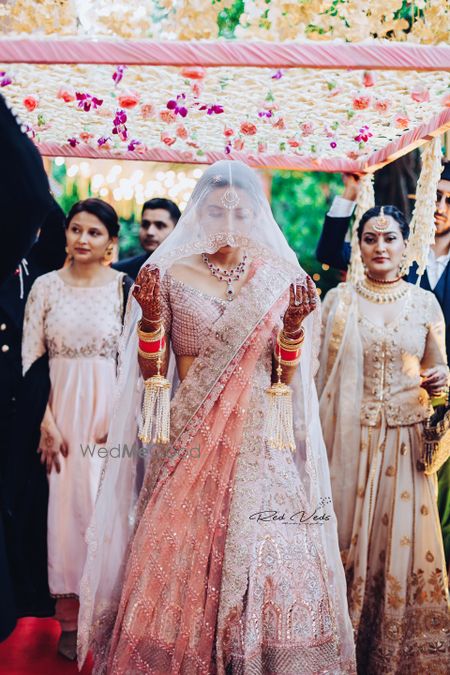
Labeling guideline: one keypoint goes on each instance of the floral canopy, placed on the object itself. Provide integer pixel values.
(320, 85)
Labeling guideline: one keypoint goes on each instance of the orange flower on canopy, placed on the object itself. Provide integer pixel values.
(361, 102)
(193, 72)
(420, 95)
(167, 116)
(86, 136)
(248, 128)
(128, 101)
(279, 124)
(402, 122)
(368, 78)
(446, 100)
(168, 140)
(66, 95)
(181, 131)
(147, 110)
(382, 105)
(31, 103)
(293, 143)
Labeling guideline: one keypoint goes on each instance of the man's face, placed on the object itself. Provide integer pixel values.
(156, 225)
(442, 212)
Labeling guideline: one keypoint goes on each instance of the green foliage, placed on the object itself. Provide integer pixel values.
(228, 19)
(299, 203)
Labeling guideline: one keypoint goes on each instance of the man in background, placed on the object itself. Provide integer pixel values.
(159, 217)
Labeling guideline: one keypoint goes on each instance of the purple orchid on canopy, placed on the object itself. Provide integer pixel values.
(212, 109)
(4, 79)
(177, 106)
(86, 101)
(118, 74)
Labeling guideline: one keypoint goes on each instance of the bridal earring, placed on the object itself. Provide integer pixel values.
(108, 254)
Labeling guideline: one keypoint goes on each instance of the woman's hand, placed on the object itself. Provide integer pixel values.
(51, 446)
(146, 291)
(302, 301)
(435, 380)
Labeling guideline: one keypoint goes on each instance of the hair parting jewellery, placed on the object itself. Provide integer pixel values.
(234, 274)
(381, 222)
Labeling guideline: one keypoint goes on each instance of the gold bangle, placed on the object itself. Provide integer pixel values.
(152, 336)
(290, 340)
(289, 363)
(150, 356)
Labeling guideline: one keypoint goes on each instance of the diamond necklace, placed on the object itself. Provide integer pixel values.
(234, 274)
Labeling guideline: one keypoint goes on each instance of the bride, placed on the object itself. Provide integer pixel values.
(222, 560)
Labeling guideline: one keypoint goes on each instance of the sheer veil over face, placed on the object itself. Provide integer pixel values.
(228, 207)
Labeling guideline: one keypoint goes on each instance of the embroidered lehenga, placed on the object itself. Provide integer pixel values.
(191, 580)
(79, 327)
(372, 411)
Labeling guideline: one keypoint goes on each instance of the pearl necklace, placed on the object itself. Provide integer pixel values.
(234, 274)
(381, 292)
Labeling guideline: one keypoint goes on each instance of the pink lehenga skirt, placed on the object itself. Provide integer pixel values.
(227, 571)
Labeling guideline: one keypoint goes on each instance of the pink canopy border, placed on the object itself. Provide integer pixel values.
(324, 55)
(402, 145)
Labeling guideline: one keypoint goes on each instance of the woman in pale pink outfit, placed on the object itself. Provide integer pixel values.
(226, 559)
(75, 314)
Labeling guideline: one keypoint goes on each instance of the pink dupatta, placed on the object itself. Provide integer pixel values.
(168, 610)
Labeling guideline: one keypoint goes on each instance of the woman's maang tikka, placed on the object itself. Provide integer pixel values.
(381, 222)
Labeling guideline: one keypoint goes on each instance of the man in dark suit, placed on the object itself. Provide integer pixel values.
(33, 242)
(159, 217)
(333, 250)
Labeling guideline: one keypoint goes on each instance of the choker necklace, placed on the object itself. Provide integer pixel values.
(383, 281)
(234, 274)
(382, 292)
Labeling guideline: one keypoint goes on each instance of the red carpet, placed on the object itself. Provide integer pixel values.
(31, 650)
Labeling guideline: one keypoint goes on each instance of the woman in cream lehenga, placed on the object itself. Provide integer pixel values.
(228, 559)
(383, 354)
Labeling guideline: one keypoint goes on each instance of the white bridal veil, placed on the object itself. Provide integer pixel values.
(227, 207)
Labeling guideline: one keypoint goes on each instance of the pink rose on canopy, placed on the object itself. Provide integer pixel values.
(402, 122)
(31, 103)
(361, 102)
(368, 78)
(147, 110)
(248, 128)
(66, 95)
(195, 88)
(382, 105)
(420, 95)
(193, 72)
(228, 132)
(238, 144)
(293, 143)
(307, 128)
(262, 147)
(128, 101)
(446, 100)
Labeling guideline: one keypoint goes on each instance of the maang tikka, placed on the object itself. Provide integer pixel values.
(381, 222)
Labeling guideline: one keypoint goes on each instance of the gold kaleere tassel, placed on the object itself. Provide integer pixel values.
(279, 430)
(155, 421)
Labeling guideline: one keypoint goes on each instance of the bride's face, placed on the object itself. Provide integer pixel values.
(227, 209)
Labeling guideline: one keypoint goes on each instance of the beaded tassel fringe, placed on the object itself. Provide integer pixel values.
(279, 430)
(155, 423)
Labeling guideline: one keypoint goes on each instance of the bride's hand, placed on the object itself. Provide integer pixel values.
(146, 292)
(302, 301)
(51, 447)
